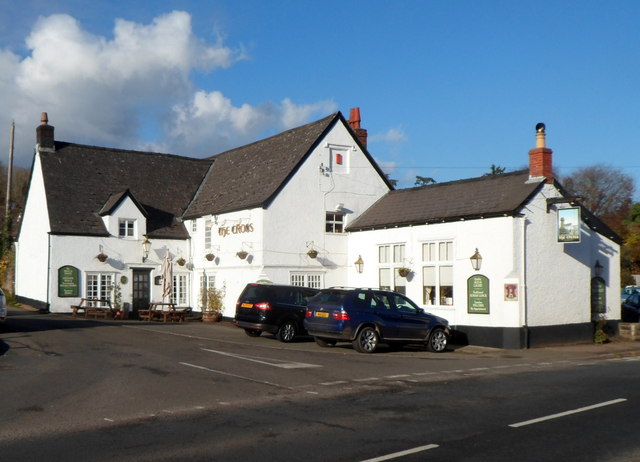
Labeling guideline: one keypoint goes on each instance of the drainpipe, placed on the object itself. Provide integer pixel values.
(48, 271)
(523, 285)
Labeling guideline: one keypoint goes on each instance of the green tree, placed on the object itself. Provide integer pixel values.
(424, 180)
(495, 170)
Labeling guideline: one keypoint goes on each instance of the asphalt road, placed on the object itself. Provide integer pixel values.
(73, 389)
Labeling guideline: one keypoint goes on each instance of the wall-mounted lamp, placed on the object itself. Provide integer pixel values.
(359, 264)
(476, 260)
(146, 248)
(598, 268)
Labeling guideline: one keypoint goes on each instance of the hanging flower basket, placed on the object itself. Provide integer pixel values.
(312, 253)
(210, 256)
(102, 257)
(404, 272)
(242, 254)
(181, 261)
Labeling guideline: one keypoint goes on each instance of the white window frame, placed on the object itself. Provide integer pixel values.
(437, 273)
(128, 225)
(391, 257)
(207, 281)
(334, 220)
(180, 289)
(313, 280)
(208, 226)
(99, 285)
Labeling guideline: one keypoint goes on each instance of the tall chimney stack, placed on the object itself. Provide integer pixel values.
(354, 123)
(540, 157)
(44, 134)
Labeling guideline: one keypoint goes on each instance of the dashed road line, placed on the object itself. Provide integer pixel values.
(566, 413)
(395, 455)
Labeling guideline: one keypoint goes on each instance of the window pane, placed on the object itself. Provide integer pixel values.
(207, 234)
(383, 254)
(428, 251)
(399, 283)
(446, 275)
(385, 278)
(398, 253)
(429, 285)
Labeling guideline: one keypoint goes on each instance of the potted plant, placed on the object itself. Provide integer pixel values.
(404, 272)
(181, 261)
(313, 253)
(102, 257)
(212, 302)
(242, 254)
(210, 256)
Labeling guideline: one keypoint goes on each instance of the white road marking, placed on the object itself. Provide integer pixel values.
(266, 361)
(566, 413)
(236, 376)
(338, 382)
(395, 455)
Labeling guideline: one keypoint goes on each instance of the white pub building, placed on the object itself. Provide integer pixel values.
(510, 260)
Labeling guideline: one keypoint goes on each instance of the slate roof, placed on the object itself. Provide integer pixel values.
(488, 196)
(252, 175)
(82, 180)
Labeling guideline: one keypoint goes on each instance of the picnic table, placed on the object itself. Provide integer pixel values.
(94, 307)
(165, 312)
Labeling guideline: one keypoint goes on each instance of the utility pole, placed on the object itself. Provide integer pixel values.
(9, 171)
(6, 232)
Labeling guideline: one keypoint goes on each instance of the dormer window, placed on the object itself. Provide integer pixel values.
(127, 228)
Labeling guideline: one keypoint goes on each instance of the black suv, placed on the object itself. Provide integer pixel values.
(272, 308)
(366, 317)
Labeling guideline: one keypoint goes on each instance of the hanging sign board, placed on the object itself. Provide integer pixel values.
(569, 225)
(478, 294)
(68, 277)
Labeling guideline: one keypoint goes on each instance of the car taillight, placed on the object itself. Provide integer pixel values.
(341, 316)
(264, 306)
(308, 314)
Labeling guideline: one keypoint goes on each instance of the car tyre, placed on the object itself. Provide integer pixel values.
(367, 340)
(253, 332)
(287, 332)
(438, 341)
(325, 342)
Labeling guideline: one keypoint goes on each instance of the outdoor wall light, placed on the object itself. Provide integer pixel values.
(359, 264)
(476, 260)
(598, 268)
(146, 248)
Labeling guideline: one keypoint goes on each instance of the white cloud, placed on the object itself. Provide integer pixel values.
(133, 90)
(393, 135)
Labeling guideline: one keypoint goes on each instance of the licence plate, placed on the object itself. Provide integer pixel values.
(247, 305)
(321, 314)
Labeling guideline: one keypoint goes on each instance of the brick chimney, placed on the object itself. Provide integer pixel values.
(354, 123)
(44, 134)
(540, 163)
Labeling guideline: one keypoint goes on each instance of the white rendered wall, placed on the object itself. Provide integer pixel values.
(559, 275)
(32, 249)
(294, 222)
(124, 255)
(493, 237)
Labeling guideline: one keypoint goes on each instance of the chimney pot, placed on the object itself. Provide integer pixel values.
(354, 123)
(540, 157)
(45, 134)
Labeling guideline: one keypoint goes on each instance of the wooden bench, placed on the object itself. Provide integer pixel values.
(93, 307)
(166, 312)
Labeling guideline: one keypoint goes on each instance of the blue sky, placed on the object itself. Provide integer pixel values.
(445, 88)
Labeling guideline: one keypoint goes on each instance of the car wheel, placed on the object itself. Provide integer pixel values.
(325, 342)
(253, 332)
(366, 340)
(438, 341)
(287, 331)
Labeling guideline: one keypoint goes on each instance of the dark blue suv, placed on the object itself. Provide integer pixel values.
(367, 317)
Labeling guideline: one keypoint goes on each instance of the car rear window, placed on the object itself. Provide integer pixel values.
(252, 292)
(332, 297)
